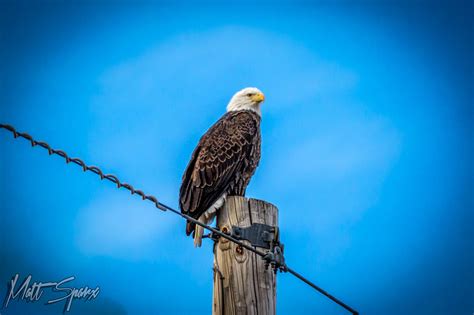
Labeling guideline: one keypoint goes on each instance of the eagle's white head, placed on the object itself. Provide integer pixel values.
(248, 98)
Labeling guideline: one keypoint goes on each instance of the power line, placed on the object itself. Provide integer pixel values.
(278, 264)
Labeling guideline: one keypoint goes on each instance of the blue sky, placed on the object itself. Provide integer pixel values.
(365, 151)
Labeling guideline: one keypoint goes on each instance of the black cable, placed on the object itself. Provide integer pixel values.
(164, 207)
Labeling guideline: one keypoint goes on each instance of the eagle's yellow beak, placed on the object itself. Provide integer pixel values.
(259, 97)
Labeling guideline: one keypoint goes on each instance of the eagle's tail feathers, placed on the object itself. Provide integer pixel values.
(206, 218)
(198, 232)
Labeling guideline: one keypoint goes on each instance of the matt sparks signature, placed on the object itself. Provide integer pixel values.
(33, 292)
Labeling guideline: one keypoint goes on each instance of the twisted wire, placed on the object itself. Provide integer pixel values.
(114, 179)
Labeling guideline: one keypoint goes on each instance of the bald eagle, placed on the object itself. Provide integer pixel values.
(223, 162)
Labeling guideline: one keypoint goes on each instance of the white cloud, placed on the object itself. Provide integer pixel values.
(120, 226)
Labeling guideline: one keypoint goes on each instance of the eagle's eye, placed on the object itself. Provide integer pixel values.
(249, 94)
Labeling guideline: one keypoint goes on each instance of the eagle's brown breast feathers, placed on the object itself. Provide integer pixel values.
(223, 162)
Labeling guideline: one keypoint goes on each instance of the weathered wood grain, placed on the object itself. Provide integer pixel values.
(241, 283)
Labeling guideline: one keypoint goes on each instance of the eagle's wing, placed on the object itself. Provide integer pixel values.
(221, 156)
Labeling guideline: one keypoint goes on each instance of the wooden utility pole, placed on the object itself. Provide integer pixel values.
(242, 284)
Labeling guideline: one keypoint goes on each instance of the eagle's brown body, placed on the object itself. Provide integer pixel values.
(222, 163)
